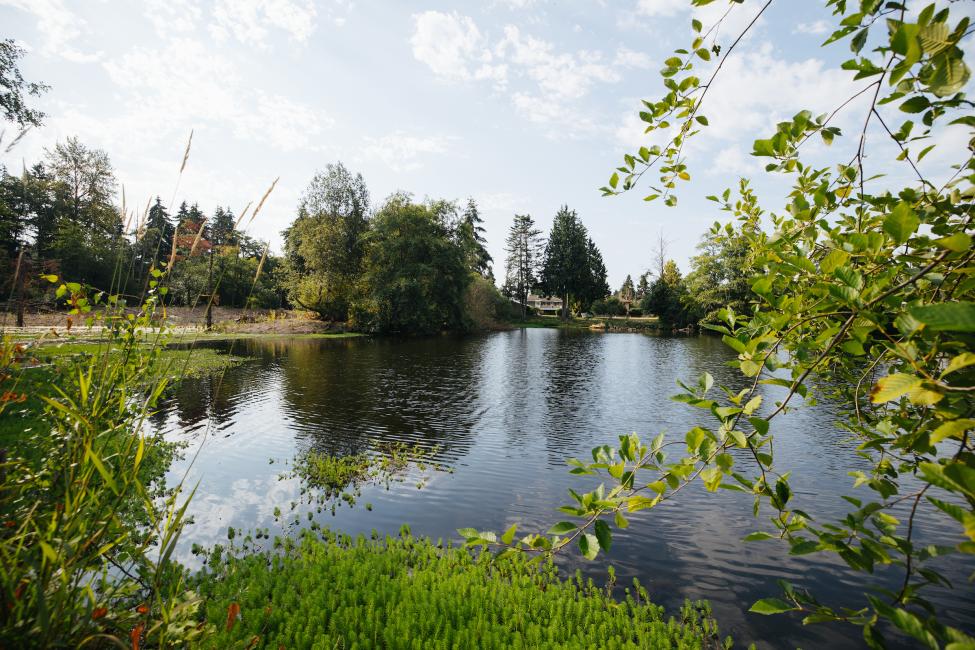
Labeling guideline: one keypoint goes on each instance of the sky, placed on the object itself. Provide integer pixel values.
(523, 105)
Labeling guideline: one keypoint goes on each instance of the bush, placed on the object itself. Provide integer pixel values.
(610, 306)
(484, 306)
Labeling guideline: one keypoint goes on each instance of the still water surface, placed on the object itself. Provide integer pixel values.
(506, 410)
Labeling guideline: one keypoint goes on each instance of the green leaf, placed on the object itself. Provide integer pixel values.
(614, 180)
(589, 546)
(833, 260)
(467, 533)
(963, 360)
(760, 424)
(902, 222)
(757, 536)
(951, 429)
(893, 386)
(915, 104)
(763, 148)
(509, 534)
(603, 535)
(562, 528)
(620, 520)
(958, 242)
(947, 316)
(694, 438)
(702, 120)
(771, 606)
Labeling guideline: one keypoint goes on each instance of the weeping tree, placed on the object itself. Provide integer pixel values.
(861, 289)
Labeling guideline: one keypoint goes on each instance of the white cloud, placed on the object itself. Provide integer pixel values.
(550, 82)
(453, 47)
(186, 84)
(631, 58)
(248, 20)
(653, 8)
(169, 16)
(402, 151)
(516, 4)
(756, 88)
(816, 28)
(733, 160)
(559, 73)
(59, 26)
(734, 17)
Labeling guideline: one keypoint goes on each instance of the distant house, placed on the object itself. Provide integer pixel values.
(545, 305)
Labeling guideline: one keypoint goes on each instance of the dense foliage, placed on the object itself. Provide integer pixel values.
(410, 593)
(861, 289)
(88, 528)
(572, 267)
(62, 214)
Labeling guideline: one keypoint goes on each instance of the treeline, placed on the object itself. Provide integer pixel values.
(568, 264)
(407, 267)
(61, 216)
(720, 277)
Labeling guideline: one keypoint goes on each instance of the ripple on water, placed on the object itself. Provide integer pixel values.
(505, 410)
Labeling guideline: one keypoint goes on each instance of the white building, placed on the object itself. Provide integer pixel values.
(545, 305)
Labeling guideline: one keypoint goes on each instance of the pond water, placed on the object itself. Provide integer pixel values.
(504, 411)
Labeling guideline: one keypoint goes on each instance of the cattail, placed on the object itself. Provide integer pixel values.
(260, 203)
(186, 154)
(260, 264)
(242, 215)
(196, 240)
(172, 255)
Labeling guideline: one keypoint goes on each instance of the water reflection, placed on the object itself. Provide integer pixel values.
(506, 410)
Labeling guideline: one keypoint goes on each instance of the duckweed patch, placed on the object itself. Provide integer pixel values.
(328, 591)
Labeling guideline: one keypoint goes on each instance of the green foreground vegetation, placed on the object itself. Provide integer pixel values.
(336, 591)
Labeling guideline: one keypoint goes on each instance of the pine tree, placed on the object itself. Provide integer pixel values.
(523, 248)
(598, 286)
(627, 291)
(222, 231)
(471, 235)
(566, 270)
(643, 286)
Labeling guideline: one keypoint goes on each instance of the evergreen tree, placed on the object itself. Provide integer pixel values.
(523, 248)
(222, 232)
(155, 240)
(627, 291)
(597, 286)
(643, 286)
(471, 236)
(565, 269)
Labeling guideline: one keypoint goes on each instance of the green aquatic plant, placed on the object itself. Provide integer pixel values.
(328, 590)
(330, 480)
